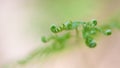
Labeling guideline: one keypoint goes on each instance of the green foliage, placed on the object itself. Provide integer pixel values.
(89, 29)
(108, 32)
(44, 39)
(94, 21)
(60, 41)
(90, 42)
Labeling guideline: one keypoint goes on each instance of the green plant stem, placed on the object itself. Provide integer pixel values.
(77, 34)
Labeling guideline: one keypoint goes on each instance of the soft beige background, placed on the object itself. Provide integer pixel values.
(17, 40)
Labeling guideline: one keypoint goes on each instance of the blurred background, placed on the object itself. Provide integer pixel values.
(23, 22)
